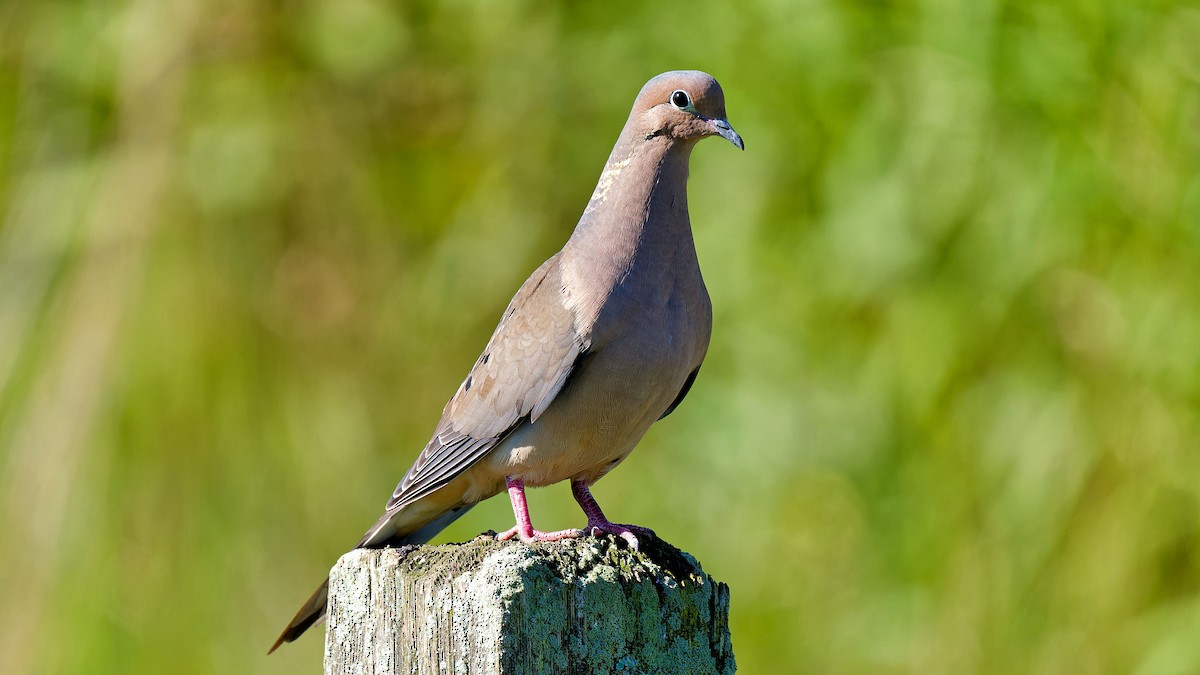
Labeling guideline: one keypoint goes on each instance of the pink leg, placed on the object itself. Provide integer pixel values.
(597, 523)
(524, 528)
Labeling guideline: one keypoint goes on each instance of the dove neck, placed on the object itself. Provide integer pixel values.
(640, 200)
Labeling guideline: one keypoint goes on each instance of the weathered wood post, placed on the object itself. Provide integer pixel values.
(576, 606)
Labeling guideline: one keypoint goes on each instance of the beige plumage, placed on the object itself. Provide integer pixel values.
(601, 341)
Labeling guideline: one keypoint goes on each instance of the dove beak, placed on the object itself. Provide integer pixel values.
(725, 131)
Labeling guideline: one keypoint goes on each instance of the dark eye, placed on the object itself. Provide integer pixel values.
(680, 99)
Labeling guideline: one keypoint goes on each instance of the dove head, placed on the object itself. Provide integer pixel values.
(683, 105)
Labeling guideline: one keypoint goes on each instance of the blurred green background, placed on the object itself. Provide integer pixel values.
(948, 422)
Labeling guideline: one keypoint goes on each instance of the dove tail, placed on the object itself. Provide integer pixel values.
(311, 612)
(382, 534)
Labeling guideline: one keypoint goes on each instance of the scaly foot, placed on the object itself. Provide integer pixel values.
(524, 528)
(531, 535)
(597, 523)
(629, 533)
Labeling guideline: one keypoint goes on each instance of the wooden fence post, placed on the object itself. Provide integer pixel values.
(576, 606)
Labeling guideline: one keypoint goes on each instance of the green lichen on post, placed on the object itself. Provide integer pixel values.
(589, 605)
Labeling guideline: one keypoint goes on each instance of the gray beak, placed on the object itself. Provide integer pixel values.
(725, 131)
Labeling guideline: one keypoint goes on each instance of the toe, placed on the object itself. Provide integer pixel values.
(560, 534)
(534, 536)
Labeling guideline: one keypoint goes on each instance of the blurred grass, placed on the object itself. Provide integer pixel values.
(948, 422)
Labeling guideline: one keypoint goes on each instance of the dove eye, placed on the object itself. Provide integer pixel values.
(680, 99)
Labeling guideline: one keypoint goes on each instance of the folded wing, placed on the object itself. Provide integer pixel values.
(524, 366)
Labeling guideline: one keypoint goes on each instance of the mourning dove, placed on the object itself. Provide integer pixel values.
(604, 339)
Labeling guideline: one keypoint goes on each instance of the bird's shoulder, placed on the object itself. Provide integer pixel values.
(526, 360)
